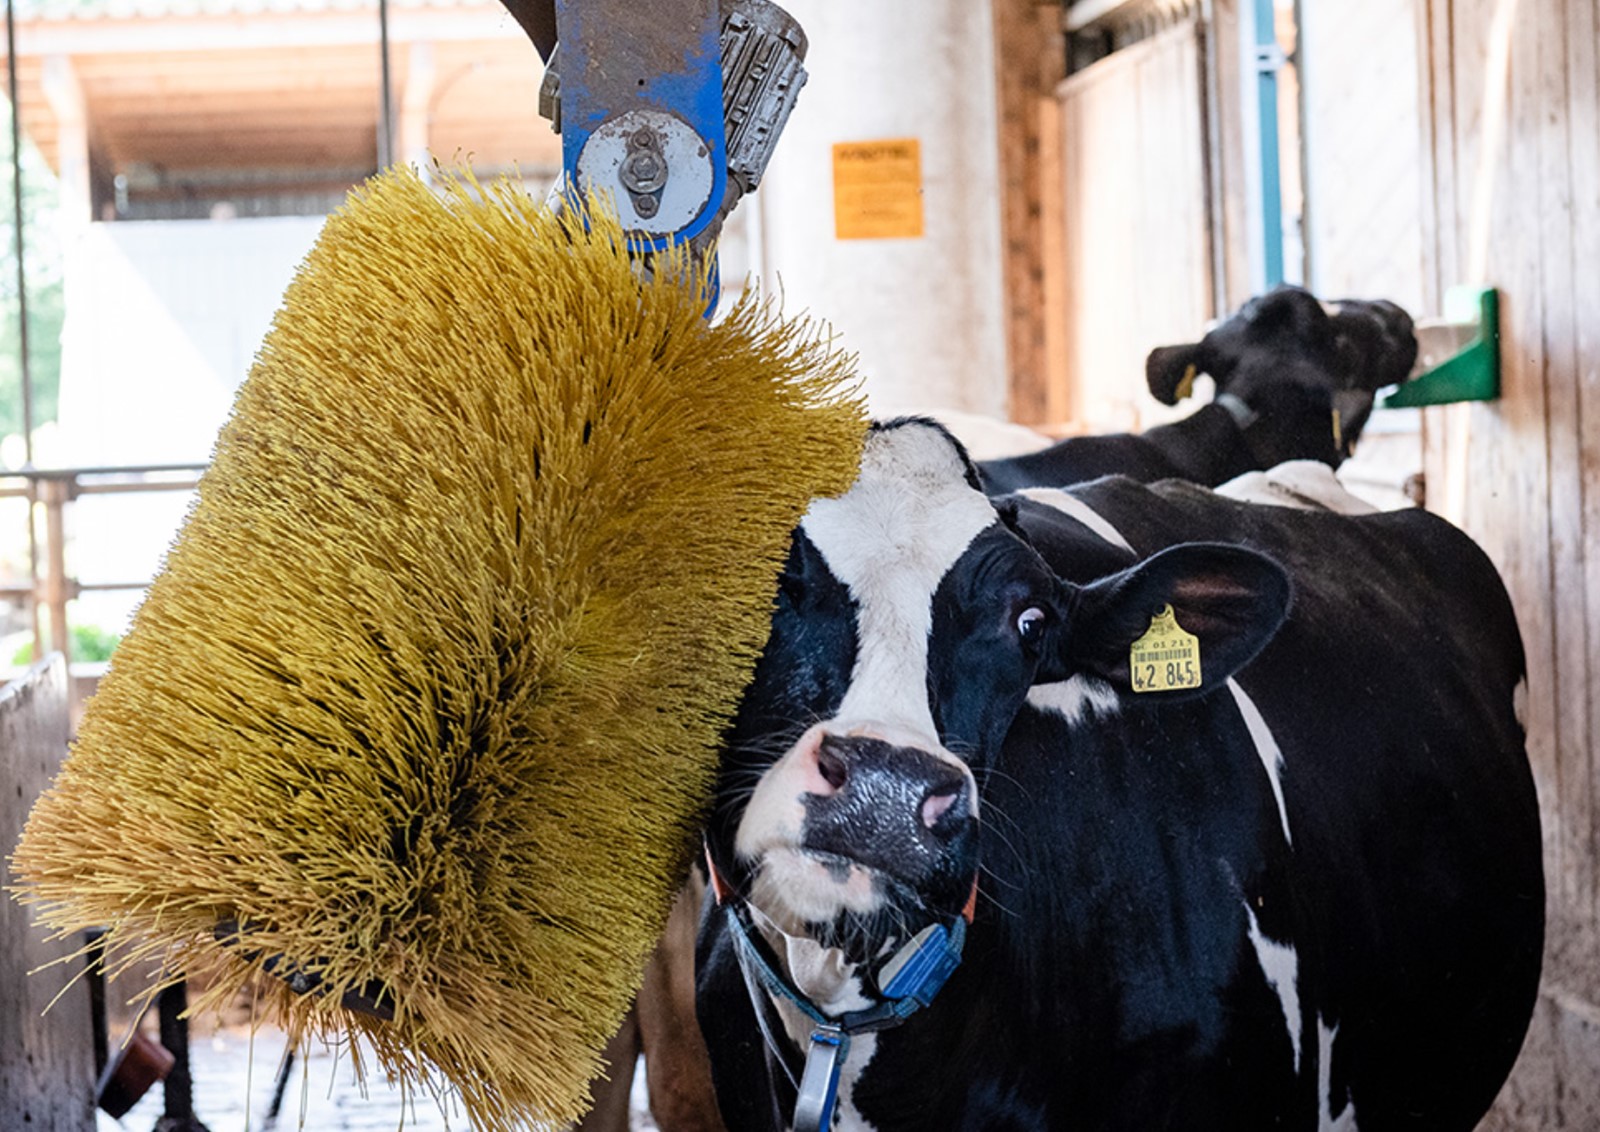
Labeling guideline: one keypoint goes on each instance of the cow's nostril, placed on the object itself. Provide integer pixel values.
(831, 765)
(937, 804)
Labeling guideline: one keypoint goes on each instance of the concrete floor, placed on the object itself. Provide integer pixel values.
(234, 1076)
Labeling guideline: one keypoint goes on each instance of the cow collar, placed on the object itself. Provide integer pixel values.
(1243, 415)
(906, 982)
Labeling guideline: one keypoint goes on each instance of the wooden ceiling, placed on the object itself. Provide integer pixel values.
(295, 92)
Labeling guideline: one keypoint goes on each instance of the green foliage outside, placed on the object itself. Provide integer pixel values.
(89, 643)
(42, 253)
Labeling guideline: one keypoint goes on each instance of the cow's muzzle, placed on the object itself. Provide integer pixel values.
(897, 810)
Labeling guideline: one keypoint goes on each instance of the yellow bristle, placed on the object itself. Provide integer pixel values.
(429, 690)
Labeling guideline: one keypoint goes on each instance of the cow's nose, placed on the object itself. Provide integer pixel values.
(945, 807)
(866, 781)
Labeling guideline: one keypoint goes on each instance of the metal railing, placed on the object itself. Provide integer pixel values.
(49, 491)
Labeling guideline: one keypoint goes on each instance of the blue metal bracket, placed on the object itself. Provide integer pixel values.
(645, 61)
(1458, 356)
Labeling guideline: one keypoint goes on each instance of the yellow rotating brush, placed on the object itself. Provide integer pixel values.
(424, 706)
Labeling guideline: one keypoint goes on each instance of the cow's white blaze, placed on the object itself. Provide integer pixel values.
(1075, 508)
(1266, 749)
(1281, 967)
(890, 539)
(1076, 698)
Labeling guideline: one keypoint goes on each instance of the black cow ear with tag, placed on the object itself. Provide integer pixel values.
(1170, 372)
(1184, 620)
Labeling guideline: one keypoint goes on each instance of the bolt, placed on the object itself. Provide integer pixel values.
(645, 206)
(643, 171)
(645, 167)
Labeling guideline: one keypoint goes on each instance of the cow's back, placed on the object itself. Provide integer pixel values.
(1415, 865)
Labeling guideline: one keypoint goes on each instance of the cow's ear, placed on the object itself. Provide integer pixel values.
(1230, 601)
(1170, 372)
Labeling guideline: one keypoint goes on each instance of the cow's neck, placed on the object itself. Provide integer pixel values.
(1205, 447)
(833, 983)
(825, 975)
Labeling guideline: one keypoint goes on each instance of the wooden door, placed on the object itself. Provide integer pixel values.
(1134, 241)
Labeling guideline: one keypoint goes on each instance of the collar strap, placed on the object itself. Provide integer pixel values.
(907, 982)
(1243, 415)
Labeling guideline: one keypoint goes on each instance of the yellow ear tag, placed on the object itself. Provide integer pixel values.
(1166, 657)
(1338, 430)
(1186, 386)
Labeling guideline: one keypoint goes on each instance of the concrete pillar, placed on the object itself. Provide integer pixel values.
(924, 313)
(64, 93)
(416, 109)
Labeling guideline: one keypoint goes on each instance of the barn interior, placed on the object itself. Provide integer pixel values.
(1000, 206)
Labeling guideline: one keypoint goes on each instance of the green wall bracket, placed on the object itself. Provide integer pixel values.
(1458, 356)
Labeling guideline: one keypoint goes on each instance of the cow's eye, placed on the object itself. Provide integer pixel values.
(1030, 622)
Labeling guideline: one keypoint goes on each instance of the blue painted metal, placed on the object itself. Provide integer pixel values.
(622, 55)
(1269, 57)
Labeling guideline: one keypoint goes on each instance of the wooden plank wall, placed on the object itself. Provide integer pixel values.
(1363, 155)
(46, 1059)
(1363, 151)
(1030, 60)
(1137, 256)
(1231, 222)
(1513, 124)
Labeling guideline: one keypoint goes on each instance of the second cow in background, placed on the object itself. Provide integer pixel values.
(1295, 380)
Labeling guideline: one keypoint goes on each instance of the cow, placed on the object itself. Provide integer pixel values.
(1220, 813)
(1295, 380)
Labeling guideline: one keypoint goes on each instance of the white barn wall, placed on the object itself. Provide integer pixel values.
(163, 322)
(925, 315)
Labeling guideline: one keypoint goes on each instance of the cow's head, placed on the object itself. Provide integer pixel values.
(1304, 372)
(912, 621)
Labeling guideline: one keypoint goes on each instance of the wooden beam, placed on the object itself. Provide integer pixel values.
(1028, 40)
(260, 32)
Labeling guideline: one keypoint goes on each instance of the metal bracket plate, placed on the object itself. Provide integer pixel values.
(624, 57)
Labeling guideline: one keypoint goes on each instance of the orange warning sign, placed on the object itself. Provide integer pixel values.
(877, 189)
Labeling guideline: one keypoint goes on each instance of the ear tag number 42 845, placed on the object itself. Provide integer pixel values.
(1166, 657)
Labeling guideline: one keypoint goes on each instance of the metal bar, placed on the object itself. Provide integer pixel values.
(109, 488)
(386, 126)
(1211, 128)
(135, 488)
(103, 470)
(1269, 57)
(19, 245)
(172, 1007)
(17, 235)
(95, 959)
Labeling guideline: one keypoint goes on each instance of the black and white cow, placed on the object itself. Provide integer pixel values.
(1306, 894)
(1295, 380)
